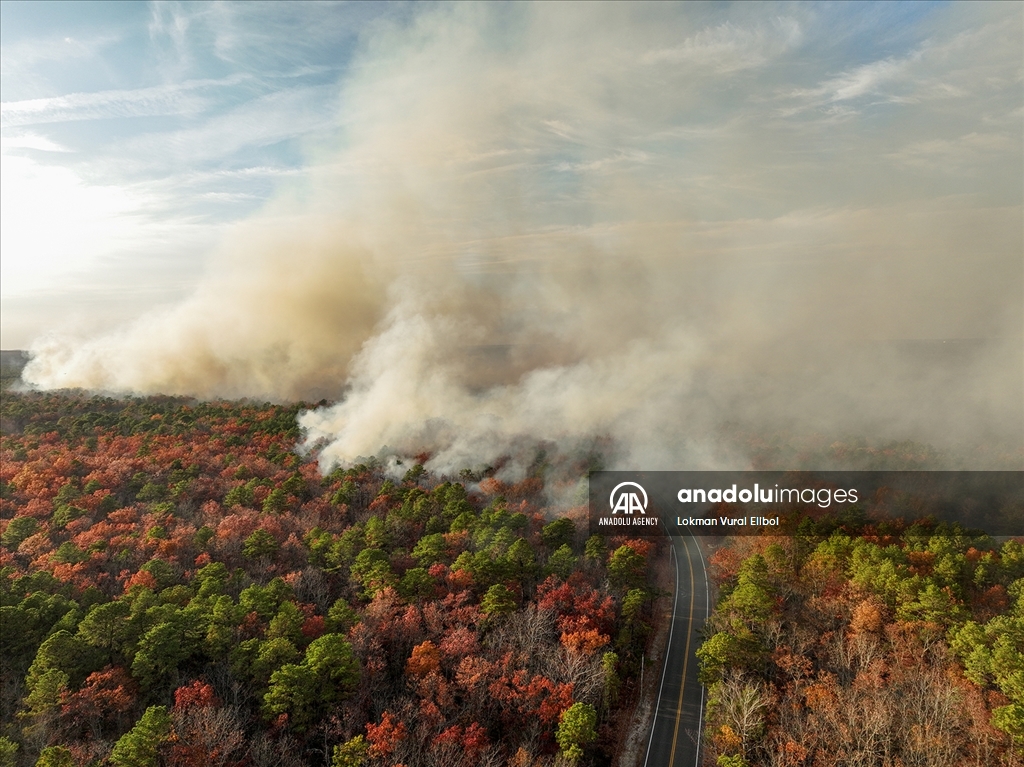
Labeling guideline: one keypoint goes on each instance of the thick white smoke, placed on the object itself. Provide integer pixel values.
(561, 223)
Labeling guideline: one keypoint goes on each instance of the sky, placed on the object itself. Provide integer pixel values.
(134, 134)
(473, 225)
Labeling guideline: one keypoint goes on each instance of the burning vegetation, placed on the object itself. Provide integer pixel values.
(180, 588)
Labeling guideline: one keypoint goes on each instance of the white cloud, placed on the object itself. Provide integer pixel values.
(729, 48)
(268, 119)
(867, 79)
(605, 163)
(961, 66)
(872, 79)
(20, 59)
(31, 141)
(176, 99)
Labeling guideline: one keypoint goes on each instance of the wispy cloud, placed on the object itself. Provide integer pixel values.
(730, 48)
(864, 80)
(961, 66)
(185, 98)
(30, 141)
(605, 163)
(20, 59)
(876, 80)
(259, 122)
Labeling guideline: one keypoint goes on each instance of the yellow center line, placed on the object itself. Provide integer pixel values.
(686, 660)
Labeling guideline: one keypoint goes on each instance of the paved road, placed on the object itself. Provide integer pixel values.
(678, 720)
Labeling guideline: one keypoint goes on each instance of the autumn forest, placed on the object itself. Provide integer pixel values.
(179, 587)
(867, 645)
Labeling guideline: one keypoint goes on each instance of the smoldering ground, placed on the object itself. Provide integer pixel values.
(563, 223)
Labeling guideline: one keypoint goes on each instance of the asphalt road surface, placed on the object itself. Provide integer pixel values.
(679, 717)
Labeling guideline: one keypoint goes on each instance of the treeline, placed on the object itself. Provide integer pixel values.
(873, 646)
(178, 588)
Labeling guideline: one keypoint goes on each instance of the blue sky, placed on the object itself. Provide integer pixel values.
(299, 199)
(134, 132)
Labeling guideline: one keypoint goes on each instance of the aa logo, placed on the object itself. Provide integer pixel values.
(628, 501)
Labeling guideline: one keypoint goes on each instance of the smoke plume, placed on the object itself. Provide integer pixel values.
(558, 224)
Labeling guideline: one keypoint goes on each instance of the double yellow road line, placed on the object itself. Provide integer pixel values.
(686, 660)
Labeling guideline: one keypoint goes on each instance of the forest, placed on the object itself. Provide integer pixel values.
(178, 587)
(864, 645)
